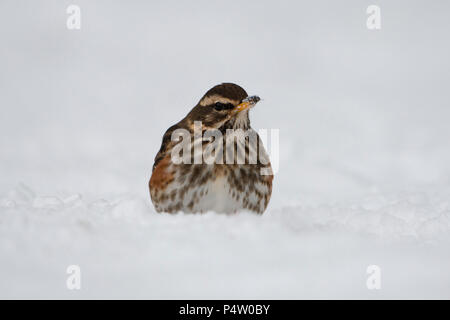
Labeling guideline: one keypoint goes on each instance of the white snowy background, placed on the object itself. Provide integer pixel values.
(364, 176)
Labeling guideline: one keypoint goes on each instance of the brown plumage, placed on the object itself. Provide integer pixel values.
(221, 186)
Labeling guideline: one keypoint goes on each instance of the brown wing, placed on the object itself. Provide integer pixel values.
(162, 176)
(165, 144)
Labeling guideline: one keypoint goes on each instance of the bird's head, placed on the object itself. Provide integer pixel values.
(225, 105)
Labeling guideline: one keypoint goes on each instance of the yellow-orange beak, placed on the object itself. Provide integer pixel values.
(247, 103)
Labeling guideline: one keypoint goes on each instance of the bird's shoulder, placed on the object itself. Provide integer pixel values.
(167, 141)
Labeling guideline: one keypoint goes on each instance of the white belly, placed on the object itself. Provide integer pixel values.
(217, 196)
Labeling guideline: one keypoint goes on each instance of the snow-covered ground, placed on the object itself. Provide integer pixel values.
(364, 175)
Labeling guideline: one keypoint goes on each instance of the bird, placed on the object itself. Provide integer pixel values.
(224, 185)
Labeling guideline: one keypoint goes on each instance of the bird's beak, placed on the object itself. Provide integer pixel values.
(247, 103)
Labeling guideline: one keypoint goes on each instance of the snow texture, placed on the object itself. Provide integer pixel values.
(364, 174)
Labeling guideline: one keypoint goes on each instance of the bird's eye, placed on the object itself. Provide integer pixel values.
(219, 106)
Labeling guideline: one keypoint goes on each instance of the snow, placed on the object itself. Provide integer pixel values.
(364, 162)
(126, 250)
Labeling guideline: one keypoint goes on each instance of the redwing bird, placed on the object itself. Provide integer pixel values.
(225, 184)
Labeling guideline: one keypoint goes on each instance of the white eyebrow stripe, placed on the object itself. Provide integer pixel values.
(209, 100)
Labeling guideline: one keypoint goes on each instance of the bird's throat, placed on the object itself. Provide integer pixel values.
(240, 121)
